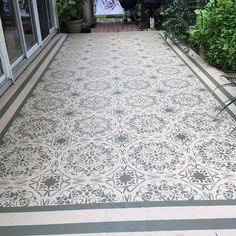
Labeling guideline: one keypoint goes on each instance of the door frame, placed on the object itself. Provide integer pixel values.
(6, 65)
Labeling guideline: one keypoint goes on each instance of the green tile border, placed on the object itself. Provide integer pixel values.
(120, 204)
(123, 226)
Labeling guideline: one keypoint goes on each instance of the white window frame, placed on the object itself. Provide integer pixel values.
(6, 65)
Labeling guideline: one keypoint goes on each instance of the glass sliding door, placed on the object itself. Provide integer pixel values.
(10, 30)
(1, 69)
(50, 14)
(2, 75)
(43, 18)
(26, 15)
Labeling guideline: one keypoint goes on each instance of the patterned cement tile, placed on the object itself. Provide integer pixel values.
(118, 118)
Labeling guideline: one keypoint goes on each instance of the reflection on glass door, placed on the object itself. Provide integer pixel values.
(1, 69)
(50, 13)
(10, 29)
(43, 18)
(26, 15)
(2, 76)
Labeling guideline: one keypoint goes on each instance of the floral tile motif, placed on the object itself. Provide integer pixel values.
(149, 124)
(50, 182)
(97, 86)
(93, 126)
(45, 105)
(121, 139)
(21, 162)
(203, 123)
(89, 160)
(118, 118)
(167, 190)
(182, 137)
(17, 197)
(35, 128)
(62, 140)
(125, 179)
(62, 74)
(200, 177)
(86, 194)
(137, 84)
(217, 154)
(186, 99)
(141, 101)
(227, 190)
(156, 157)
(94, 103)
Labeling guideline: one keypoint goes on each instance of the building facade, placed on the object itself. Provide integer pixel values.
(25, 27)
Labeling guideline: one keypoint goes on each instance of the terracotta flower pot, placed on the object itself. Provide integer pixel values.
(74, 26)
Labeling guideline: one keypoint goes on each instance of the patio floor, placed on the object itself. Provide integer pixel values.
(118, 118)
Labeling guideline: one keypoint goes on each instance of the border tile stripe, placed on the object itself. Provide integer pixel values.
(120, 205)
(130, 226)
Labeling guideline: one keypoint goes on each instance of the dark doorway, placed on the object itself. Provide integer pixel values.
(43, 18)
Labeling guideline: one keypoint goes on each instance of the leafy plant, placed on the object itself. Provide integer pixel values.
(215, 32)
(69, 10)
(179, 15)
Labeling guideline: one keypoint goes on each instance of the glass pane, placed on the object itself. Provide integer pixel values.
(1, 69)
(10, 29)
(27, 22)
(50, 13)
(43, 18)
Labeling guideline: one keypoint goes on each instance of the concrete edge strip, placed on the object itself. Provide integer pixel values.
(116, 215)
(222, 95)
(124, 226)
(32, 82)
(118, 205)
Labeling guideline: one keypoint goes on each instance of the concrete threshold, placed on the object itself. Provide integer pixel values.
(12, 99)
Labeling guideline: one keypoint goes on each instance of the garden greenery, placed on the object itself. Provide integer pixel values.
(178, 16)
(204, 25)
(69, 10)
(215, 33)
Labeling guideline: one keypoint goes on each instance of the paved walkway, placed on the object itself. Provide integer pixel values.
(118, 120)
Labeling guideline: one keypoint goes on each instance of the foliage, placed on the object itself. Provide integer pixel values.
(69, 10)
(215, 32)
(179, 15)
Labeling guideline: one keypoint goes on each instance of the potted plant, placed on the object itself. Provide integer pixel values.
(70, 15)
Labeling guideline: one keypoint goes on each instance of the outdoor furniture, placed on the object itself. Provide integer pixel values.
(129, 8)
(150, 6)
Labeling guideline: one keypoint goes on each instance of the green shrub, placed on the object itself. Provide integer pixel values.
(215, 32)
(179, 15)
